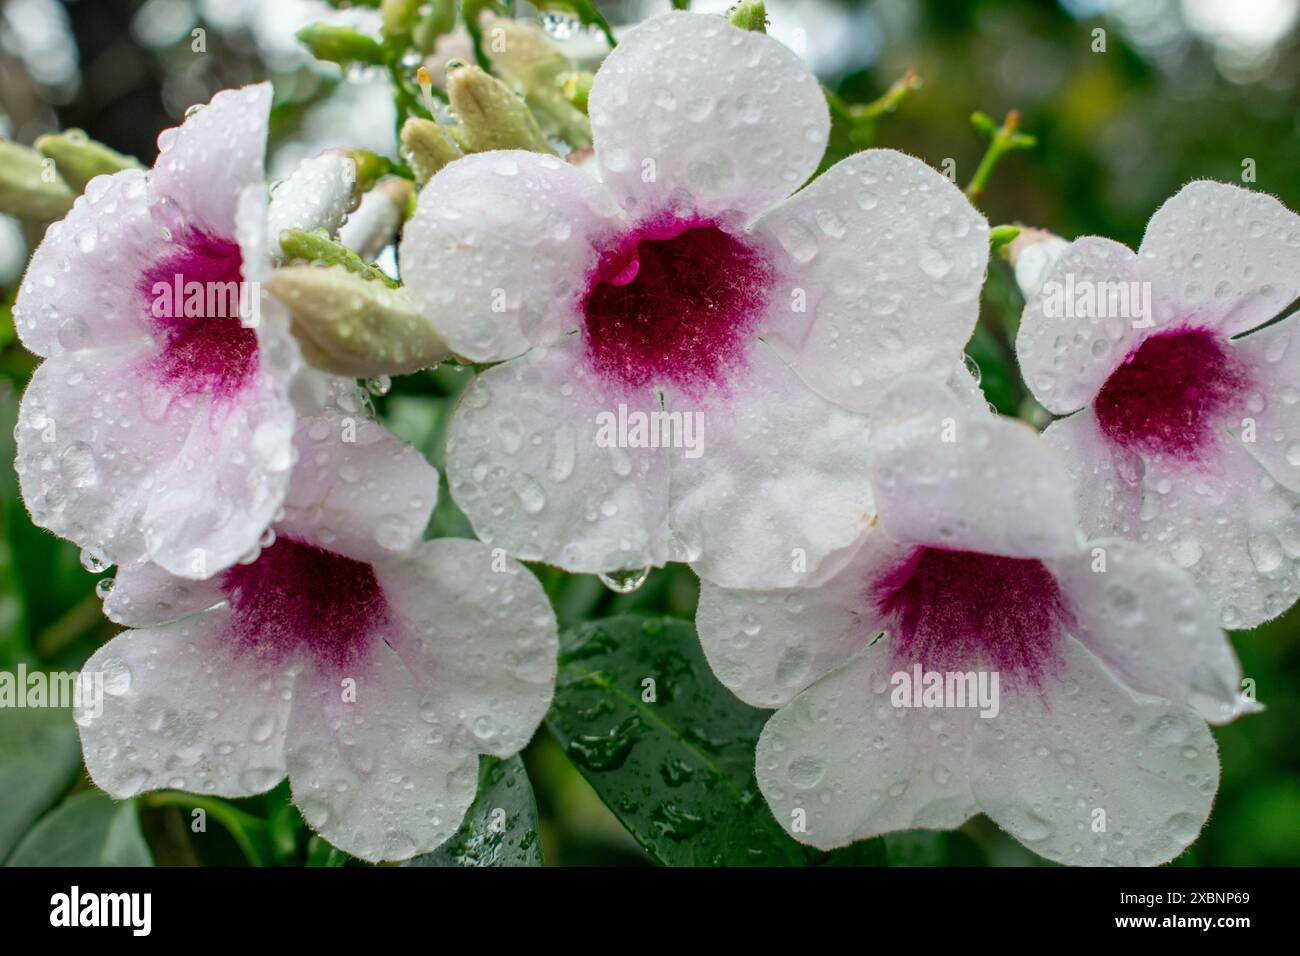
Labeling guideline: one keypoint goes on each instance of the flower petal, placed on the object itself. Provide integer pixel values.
(377, 776)
(1067, 353)
(1271, 355)
(1106, 478)
(1042, 769)
(1227, 257)
(524, 464)
(857, 766)
(498, 251)
(950, 478)
(767, 646)
(144, 595)
(1145, 619)
(318, 194)
(881, 260)
(480, 640)
(206, 162)
(81, 290)
(690, 111)
(767, 450)
(182, 711)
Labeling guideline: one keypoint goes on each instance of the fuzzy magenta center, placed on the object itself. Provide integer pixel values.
(962, 611)
(297, 600)
(1167, 397)
(194, 301)
(674, 303)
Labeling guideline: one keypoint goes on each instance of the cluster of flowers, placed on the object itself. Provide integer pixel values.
(287, 618)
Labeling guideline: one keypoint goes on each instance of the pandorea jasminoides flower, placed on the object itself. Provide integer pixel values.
(369, 666)
(694, 297)
(1185, 432)
(160, 424)
(1073, 682)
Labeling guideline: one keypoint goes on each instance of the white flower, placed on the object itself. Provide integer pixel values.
(369, 666)
(977, 567)
(1185, 432)
(689, 279)
(160, 425)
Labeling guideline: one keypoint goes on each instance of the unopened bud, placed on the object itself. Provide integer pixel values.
(534, 67)
(340, 44)
(492, 116)
(30, 186)
(428, 147)
(80, 159)
(375, 223)
(1032, 254)
(749, 16)
(318, 194)
(577, 88)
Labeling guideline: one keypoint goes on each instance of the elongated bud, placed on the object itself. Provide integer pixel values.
(533, 66)
(749, 16)
(375, 223)
(399, 17)
(1032, 253)
(80, 159)
(30, 186)
(348, 325)
(318, 194)
(340, 44)
(438, 20)
(428, 147)
(492, 116)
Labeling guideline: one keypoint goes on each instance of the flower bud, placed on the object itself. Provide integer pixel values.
(531, 64)
(348, 325)
(492, 116)
(80, 159)
(749, 16)
(30, 186)
(1032, 253)
(428, 147)
(318, 194)
(340, 44)
(375, 223)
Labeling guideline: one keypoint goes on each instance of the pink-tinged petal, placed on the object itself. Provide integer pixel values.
(1107, 480)
(948, 478)
(858, 766)
(1067, 348)
(144, 595)
(1224, 257)
(691, 112)
(357, 488)
(880, 260)
(81, 290)
(1235, 529)
(776, 484)
(1269, 359)
(1053, 771)
(378, 775)
(767, 646)
(480, 637)
(318, 194)
(1146, 621)
(498, 251)
(183, 710)
(529, 464)
(205, 163)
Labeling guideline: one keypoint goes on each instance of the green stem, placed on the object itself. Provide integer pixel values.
(1002, 140)
(240, 825)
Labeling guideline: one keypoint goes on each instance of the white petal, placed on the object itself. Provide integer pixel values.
(81, 290)
(144, 595)
(357, 489)
(767, 646)
(1225, 255)
(318, 194)
(1145, 619)
(1066, 356)
(1272, 355)
(1043, 768)
(691, 111)
(205, 163)
(377, 777)
(857, 766)
(524, 464)
(182, 711)
(950, 478)
(881, 260)
(779, 476)
(498, 251)
(480, 640)
(1107, 479)
(1233, 527)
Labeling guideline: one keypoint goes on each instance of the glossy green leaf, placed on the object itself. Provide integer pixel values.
(669, 749)
(39, 756)
(90, 829)
(500, 828)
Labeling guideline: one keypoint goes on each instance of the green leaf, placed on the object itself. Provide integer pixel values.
(677, 770)
(39, 756)
(90, 829)
(500, 828)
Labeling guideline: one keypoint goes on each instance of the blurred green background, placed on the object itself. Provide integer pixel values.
(1182, 90)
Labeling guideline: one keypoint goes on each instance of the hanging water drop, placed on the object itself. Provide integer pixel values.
(94, 561)
(625, 582)
(379, 385)
(104, 587)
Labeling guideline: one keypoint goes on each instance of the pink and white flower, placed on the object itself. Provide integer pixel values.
(160, 425)
(1095, 747)
(693, 277)
(369, 666)
(1184, 424)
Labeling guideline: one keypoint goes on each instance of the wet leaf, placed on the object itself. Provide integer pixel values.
(500, 828)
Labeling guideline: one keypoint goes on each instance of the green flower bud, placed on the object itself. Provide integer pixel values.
(339, 44)
(749, 16)
(399, 17)
(30, 186)
(531, 64)
(428, 147)
(492, 116)
(80, 159)
(577, 88)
